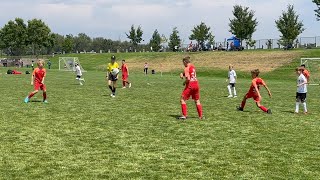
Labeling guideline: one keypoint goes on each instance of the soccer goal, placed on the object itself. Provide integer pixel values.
(68, 64)
(313, 66)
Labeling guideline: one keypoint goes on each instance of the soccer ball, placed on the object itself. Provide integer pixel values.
(114, 71)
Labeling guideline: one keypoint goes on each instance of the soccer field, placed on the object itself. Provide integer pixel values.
(83, 133)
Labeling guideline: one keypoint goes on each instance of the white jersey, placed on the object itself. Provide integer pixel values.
(78, 71)
(232, 76)
(302, 88)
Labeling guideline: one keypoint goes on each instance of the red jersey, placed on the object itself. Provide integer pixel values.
(39, 74)
(256, 81)
(124, 69)
(190, 74)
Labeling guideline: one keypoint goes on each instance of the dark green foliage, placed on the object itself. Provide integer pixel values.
(155, 41)
(68, 44)
(243, 25)
(174, 40)
(201, 33)
(289, 26)
(135, 36)
(82, 42)
(317, 2)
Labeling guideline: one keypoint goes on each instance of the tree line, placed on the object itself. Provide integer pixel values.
(35, 37)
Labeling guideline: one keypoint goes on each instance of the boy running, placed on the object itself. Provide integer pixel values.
(232, 76)
(191, 88)
(79, 74)
(301, 90)
(254, 92)
(125, 74)
(37, 80)
(112, 79)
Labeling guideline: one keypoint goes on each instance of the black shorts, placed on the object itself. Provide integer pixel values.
(232, 84)
(301, 97)
(112, 77)
(78, 76)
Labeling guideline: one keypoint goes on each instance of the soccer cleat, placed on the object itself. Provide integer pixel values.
(239, 108)
(305, 113)
(45, 101)
(269, 111)
(26, 100)
(113, 95)
(182, 118)
(230, 96)
(124, 87)
(129, 85)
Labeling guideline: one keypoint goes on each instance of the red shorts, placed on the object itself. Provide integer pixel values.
(39, 86)
(124, 77)
(192, 90)
(254, 96)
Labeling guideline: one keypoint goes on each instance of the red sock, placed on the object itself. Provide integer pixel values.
(199, 109)
(31, 94)
(44, 96)
(263, 108)
(243, 103)
(123, 83)
(184, 109)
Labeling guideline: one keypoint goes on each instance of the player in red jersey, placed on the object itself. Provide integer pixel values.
(125, 74)
(254, 92)
(37, 80)
(191, 88)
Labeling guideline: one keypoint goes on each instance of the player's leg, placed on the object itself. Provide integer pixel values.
(234, 90)
(184, 96)
(298, 102)
(27, 99)
(196, 97)
(110, 84)
(304, 103)
(229, 90)
(114, 87)
(243, 103)
(264, 109)
(44, 93)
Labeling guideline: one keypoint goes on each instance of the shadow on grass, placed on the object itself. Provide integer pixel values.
(177, 117)
(36, 101)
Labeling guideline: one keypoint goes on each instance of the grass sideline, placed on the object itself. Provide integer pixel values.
(83, 133)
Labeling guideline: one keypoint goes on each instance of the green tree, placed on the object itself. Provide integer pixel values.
(243, 25)
(201, 33)
(82, 42)
(317, 2)
(135, 36)
(175, 39)
(289, 26)
(14, 36)
(58, 42)
(155, 41)
(39, 35)
(68, 43)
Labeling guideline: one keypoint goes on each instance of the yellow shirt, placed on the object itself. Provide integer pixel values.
(112, 66)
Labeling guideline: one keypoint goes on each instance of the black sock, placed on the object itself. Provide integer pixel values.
(110, 87)
(114, 90)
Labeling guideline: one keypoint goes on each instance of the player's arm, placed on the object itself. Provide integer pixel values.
(127, 69)
(269, 92)
(44, 76)
(187, 76)
(32, 77)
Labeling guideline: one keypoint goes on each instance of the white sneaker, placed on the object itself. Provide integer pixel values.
(235, 96)
(230, 96)
(112, 95)
(124, 87)
(130, 85)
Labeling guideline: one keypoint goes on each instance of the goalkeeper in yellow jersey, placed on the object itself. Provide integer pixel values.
(112, 75)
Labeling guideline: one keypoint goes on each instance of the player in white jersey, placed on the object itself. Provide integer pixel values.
(232, 76)
(301, 90)
(79, 74)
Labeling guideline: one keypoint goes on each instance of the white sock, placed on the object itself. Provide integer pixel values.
(297, 107)
(229, 89)
(305, 107)
(234, 91)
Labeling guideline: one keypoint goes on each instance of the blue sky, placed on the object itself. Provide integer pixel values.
(112, 18)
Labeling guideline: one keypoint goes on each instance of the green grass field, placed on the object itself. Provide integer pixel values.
(83, 133)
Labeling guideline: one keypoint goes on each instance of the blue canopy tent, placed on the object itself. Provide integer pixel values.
(235, 41)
